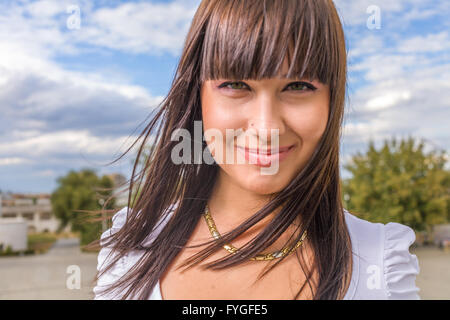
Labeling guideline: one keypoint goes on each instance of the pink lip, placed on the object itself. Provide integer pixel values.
(268, 151)
(264, 158)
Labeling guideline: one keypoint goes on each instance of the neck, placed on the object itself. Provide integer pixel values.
(231, 205)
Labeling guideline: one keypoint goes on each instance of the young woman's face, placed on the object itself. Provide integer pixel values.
(298, 109)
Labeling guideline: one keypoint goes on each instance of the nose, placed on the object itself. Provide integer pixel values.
(265, 119)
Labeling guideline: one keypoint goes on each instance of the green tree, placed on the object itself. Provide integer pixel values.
(81, 190)
(399, 183)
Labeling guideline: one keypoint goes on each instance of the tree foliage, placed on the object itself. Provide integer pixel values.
(399, 183)
(81, 191)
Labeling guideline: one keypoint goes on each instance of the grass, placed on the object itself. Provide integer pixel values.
(41, 242)
(36, 243)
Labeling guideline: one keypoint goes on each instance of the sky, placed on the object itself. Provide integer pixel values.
(78, 78)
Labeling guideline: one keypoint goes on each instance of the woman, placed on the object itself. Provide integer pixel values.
(273, 73)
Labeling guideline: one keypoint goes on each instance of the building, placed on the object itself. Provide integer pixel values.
(35, 210)
(13, 234)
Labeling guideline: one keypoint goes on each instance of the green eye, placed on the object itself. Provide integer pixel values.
(233, 85)
(298, 86)
(302, 86)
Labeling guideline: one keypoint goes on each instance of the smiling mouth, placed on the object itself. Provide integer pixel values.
(267, 151)
(265, 157)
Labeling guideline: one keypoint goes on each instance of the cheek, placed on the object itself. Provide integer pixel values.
(217, 118)
(309, 121)
(221, 116)
(214, 119)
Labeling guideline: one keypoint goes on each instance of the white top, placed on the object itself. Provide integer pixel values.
(383, 267)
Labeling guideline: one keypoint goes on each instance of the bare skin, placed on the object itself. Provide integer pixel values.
(301, 116)
(282, 283)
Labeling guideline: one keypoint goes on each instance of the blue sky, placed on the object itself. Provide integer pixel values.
(72, 98)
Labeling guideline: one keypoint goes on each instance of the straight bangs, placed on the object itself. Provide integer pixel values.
(251, 40)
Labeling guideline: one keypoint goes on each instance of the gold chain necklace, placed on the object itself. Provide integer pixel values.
(259, 257)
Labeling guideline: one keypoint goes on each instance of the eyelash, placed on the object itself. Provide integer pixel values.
(309, 86)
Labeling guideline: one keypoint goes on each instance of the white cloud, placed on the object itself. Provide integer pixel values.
(365, 46)
(33, 27)
(46, 173)
(65, 142)
(414, 101)
(429, 43)
(403, 78)
(386, 66)
(135, 27)
(399, 13)
(37, 94)
(140, 27)
(387, 100)
(355, 12)
(45, 9)
(50, 114)
(13, 161)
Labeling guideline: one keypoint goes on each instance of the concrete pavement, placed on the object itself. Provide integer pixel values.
(45, 276)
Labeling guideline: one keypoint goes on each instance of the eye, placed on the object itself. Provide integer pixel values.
(233, 85)
(301, 86)
(297, 86)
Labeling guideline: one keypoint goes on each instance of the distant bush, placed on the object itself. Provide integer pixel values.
(41, 242)
(8, 251)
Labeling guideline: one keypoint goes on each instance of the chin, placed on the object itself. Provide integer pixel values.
(264, 189)
(264, 185)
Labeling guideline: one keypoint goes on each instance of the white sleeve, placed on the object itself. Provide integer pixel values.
(125, 263)
(400, 266)
(119, 268)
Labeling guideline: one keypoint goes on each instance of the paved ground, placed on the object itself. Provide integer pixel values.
(434, 277)
(44, 276)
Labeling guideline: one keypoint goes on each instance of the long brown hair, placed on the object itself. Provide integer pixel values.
(241, 39)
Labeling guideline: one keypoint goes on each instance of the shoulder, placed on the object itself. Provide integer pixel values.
(386, 268)
(106, 255)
